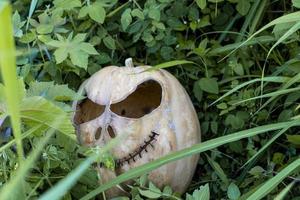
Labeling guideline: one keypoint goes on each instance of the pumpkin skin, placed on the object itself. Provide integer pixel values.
(155, 113)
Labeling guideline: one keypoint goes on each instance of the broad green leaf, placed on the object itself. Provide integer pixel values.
(269, 185)
(126, 19)
(37, 110)
(243, 6)
(201, 3)
(209, 85)
(137, 13)
(45, 28)
(294, 139)
(195, 149)
(67, 4)
(52, 92)
(97, 12)
(202, 193)
(79, 58)
(109, 42)
(61, 54)
(150, 194)
(233, 192)
(88, 48)
(154, 13)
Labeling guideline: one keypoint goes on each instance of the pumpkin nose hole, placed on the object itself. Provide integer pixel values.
(98, 133)
(111, 132)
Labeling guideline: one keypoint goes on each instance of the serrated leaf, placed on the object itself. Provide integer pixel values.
(126, 19)
(202, 193)
(76, 48)
(44, 28)
(88, 48)
(60, 55)
(79, 58)
(209, 85)
(109, 42)
(97, 12)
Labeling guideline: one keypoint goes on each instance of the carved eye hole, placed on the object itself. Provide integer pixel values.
(142, 101)
(87, 110)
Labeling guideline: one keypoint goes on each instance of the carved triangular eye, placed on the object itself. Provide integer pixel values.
(87, 110)
(142, 101)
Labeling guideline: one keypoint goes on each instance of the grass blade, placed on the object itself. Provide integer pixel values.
(284, 192)
(275, 79)
(198, 148)
(8, 71)
(273, 182)
(292, 17)
(170, 64)
(271, 94)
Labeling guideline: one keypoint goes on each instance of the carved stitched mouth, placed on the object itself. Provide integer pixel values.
(137, 153)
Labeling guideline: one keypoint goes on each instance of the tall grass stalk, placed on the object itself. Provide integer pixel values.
(8, 71)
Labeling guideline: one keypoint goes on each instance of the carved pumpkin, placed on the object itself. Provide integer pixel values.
(155, 112)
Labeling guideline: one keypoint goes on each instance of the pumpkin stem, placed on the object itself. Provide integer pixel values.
(128, 62)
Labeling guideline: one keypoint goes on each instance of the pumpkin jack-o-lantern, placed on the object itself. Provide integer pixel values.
(152, 109)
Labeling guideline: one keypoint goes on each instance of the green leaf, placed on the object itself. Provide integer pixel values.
(109, 42)
(209, 85)
(67, 4)
(285, 191)
(137, 13)
(76, 48)
(233, 192)
(37, 110)
(243, 6)
(296, 3)
(219, 171)
(97, 12)
(52, 92)
(45, 28)
(202, 193)
(149, 194)
(201, 3)
(60, 55)
(79, 58)
(126, 19)
(294, 139)
(154, 13)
